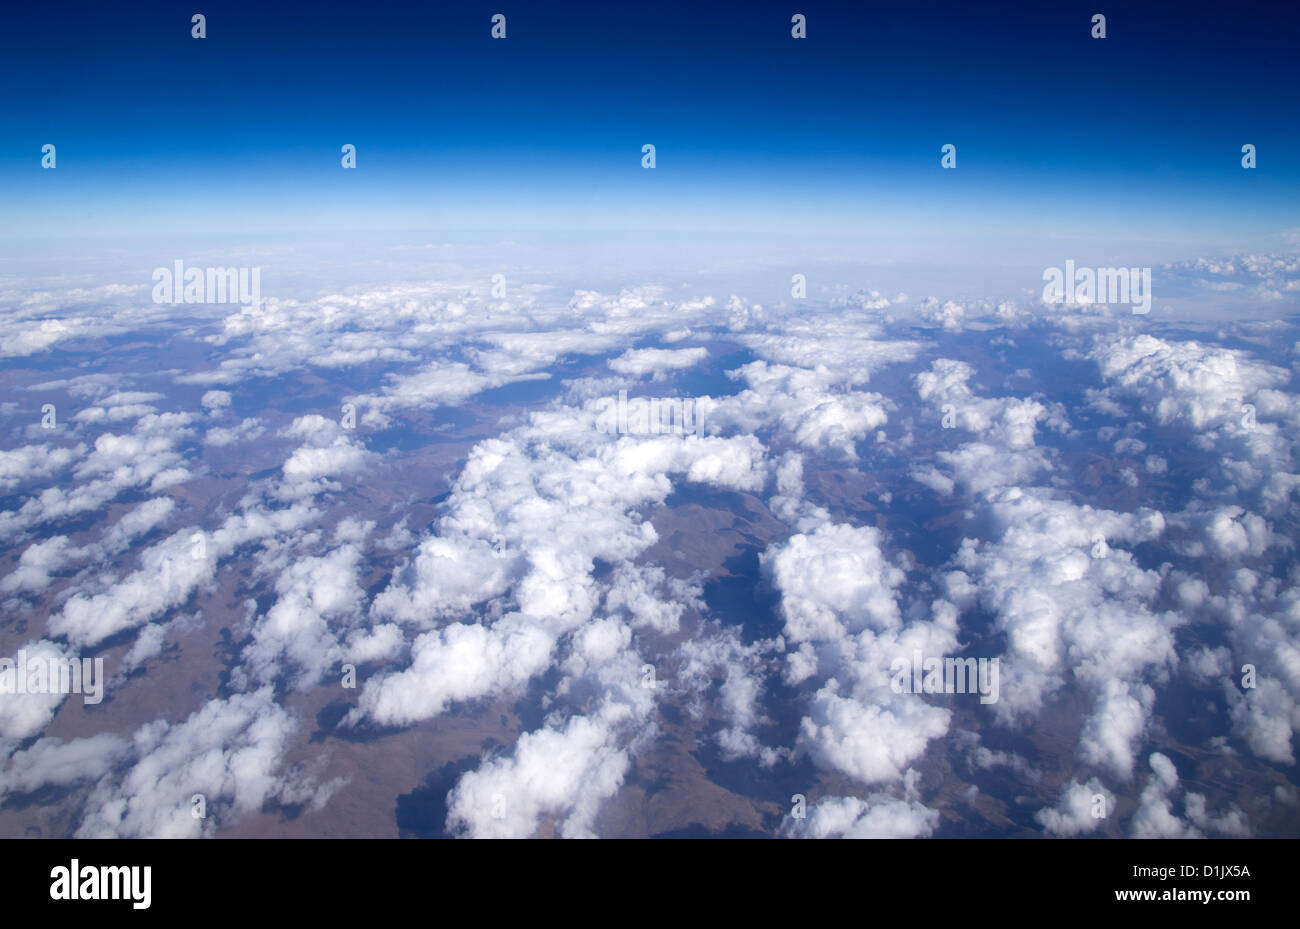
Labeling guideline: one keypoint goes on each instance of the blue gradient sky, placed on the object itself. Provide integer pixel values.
(1135, 138)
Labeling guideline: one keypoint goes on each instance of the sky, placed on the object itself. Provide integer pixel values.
(1125, 144)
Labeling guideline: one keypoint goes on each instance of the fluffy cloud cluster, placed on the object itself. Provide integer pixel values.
(529, 517)
(1083, 808)
(1229, 403)
(802, 404)
(169, 573)
(1075, 608)
(877, 817)
(147, 458)
(656, 361)
(227, 756)
(538, 576)
(1156, 819)
(843, 625)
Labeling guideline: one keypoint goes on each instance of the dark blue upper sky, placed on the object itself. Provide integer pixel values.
(1057, 134)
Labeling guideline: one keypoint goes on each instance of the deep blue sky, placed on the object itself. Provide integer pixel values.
(1137, 136)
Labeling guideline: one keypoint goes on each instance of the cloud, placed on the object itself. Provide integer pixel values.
(872, 742)
(28, 462)
(138, 522)
(37, 562)
(145, 458)
(447, 577)
(23, 715)
(37, 336)
(169, 573)
(1204, 386)
(563, 774)
(1076, 813)
(847, 342)
(247, 430)
(839, 603)
(877, 817)
(215, 400)
(1100, 562)
(1155, 819)
(1072, 605)
(315, 596)
(229, 752)
(656, 361)
(742, 670)
(526, 520)
(459, 662)
(833, 582)
(60, 763)
(802, 405)
(1008, 422)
